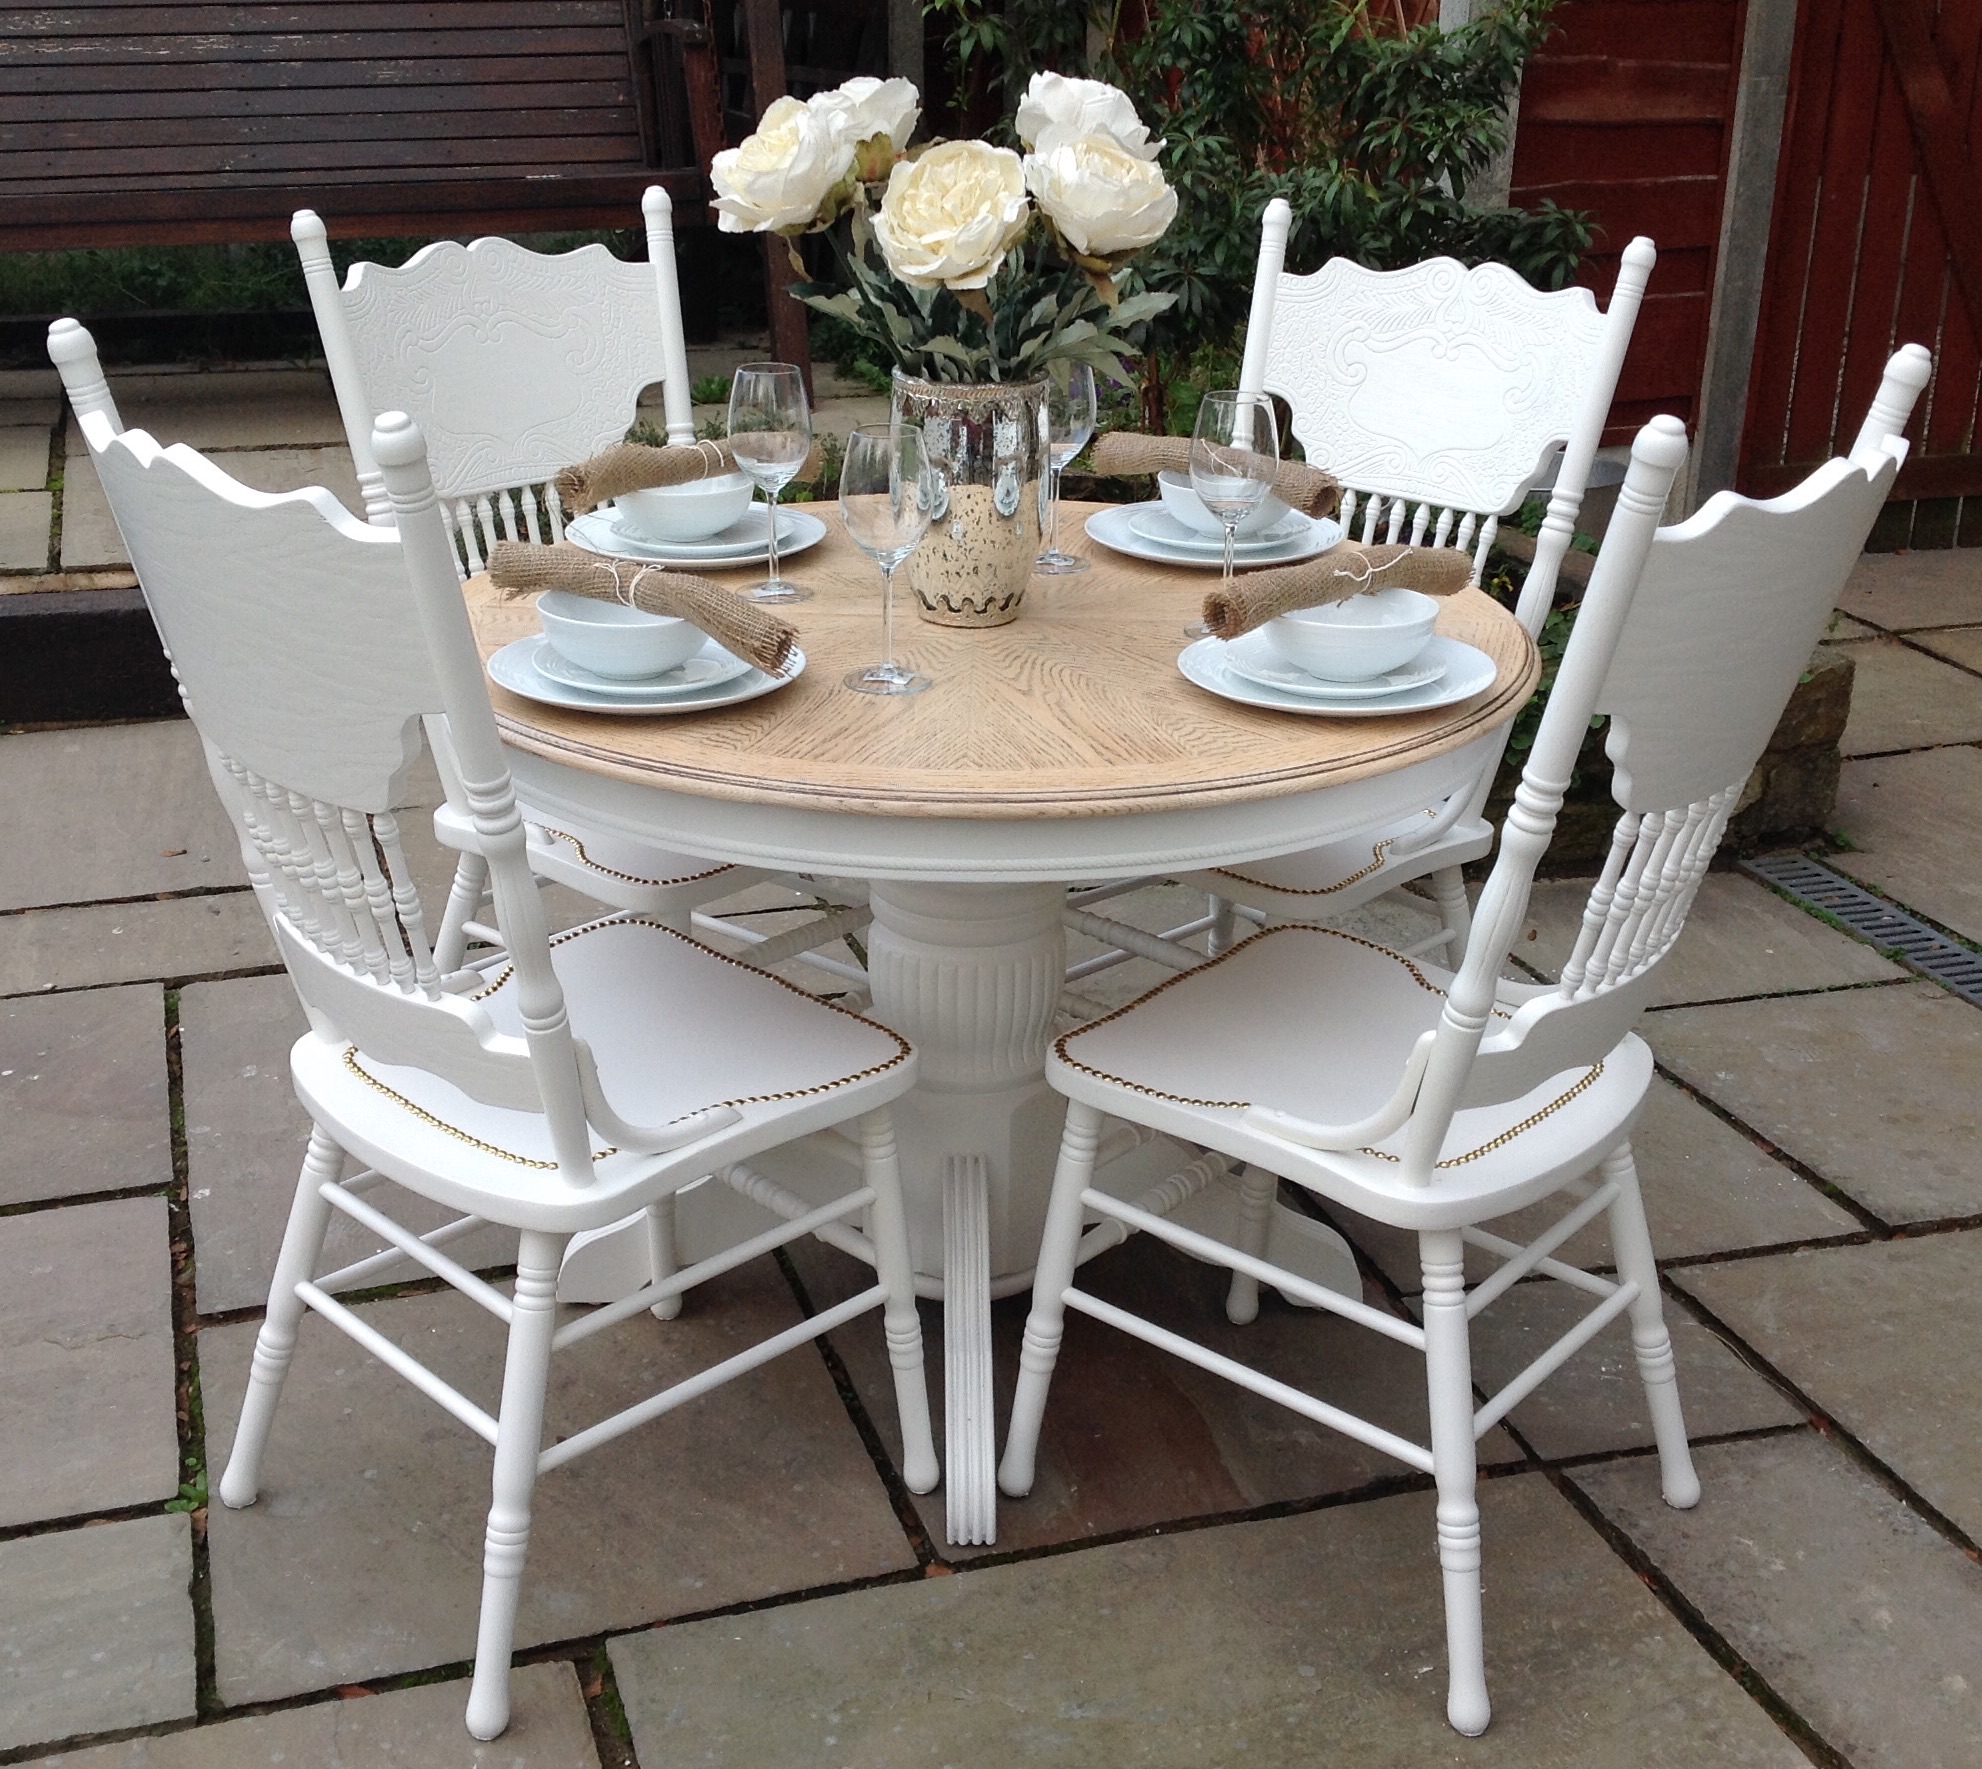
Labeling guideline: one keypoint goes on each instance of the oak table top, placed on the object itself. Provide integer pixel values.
(1076, 709)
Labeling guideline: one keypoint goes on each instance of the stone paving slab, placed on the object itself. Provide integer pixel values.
(1886, 1339)
(1134, 1437)
(1740, 939)
(363, 1556)
(1872, 1088)
(245, 1137)
(103, 943)
(1915, 826)
(25, 518)
(1901, 591)
(419, 1728)
(1314, 1639)
(89, 532)
(83, 1094)
(1860, 1616)
(86, 1360)
(1707, 1189)
(290, 469)
(1962, 645)
(23, 457)
(117, 810)
(1903, 699)
(96, 1630)
(225, 408)
(1595, 1404)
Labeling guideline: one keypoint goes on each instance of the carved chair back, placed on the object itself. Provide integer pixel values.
(1689, 642)
(514, 363)
(1437, 394)
(309, 668)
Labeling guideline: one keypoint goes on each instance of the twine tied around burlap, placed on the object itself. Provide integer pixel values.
(519, 567)
(1122, 452)
(1343, 571)
(634, 466)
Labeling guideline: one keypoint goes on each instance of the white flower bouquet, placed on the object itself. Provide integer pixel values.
(963, 261)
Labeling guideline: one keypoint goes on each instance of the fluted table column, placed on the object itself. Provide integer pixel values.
(970, 974)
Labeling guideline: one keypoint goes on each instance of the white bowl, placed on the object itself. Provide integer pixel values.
(690, 512)
(610, 639)
(1188, 508)
(1354, 640)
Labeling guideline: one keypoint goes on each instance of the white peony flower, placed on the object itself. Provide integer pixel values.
(781, 179)
(1056, 108)
(869, 109)
(1103, 199)
(947, 219)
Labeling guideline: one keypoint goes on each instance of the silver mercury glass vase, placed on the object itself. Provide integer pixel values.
(987, 445)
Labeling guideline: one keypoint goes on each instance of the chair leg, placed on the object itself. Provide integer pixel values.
(464, 901)
(661, 1253)
(881, 1164)
(519, 1438)
(1448, 891)
(1631, 1241)
(1224, 921)
(1058, 1247)
(275, 1344)
(1449, 1382)
(1256, 1188)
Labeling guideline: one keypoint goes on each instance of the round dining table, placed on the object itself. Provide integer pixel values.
(1064, 748)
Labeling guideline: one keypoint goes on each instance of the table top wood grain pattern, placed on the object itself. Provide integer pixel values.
(1076, 709)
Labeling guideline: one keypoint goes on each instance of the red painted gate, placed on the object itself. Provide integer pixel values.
(1876, 241)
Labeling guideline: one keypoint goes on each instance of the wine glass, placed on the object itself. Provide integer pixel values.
(770, 433)
(1235, 452)
(885, 494)
(1070, 415)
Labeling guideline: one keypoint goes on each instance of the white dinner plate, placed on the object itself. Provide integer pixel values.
(1254, 656)
(1465, 670)
(515, 667)
(709, 666)
(1115, 529)
(1155, 523)
(744, 542)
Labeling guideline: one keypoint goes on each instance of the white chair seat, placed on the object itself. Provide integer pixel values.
(1340, 875)
(1264, 1025)
(624, 871)
(632, 989)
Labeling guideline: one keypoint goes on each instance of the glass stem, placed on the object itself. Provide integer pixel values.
(771, 498)
(1231, 537)
(888, 618)
(1053, 521)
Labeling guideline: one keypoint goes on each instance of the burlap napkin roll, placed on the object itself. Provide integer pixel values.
(1334, 576)
(633, 466)
(737, 625)
(1120, 452)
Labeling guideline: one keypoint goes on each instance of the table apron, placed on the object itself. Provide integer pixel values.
(1055, 849)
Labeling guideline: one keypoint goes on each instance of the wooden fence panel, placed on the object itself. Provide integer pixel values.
(1626, 113)
(1876, 242)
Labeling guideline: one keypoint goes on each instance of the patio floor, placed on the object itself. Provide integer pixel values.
(1197, 1578)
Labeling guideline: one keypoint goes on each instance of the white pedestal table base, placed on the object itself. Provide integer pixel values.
(971, 974)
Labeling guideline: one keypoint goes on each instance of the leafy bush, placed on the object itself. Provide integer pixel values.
(1372, 134)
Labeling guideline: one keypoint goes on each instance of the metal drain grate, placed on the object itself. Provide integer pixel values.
(1909, 939)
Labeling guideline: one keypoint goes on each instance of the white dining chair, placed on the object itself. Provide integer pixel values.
(1437, 395)
(581, 1078)
(517, 364)
(1436, 1101)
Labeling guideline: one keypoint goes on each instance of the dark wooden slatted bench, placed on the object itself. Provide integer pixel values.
(184, 121)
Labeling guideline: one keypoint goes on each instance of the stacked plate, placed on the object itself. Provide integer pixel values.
(712, 677)
(1251, 671)
(1149, 531)
(745, 542)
